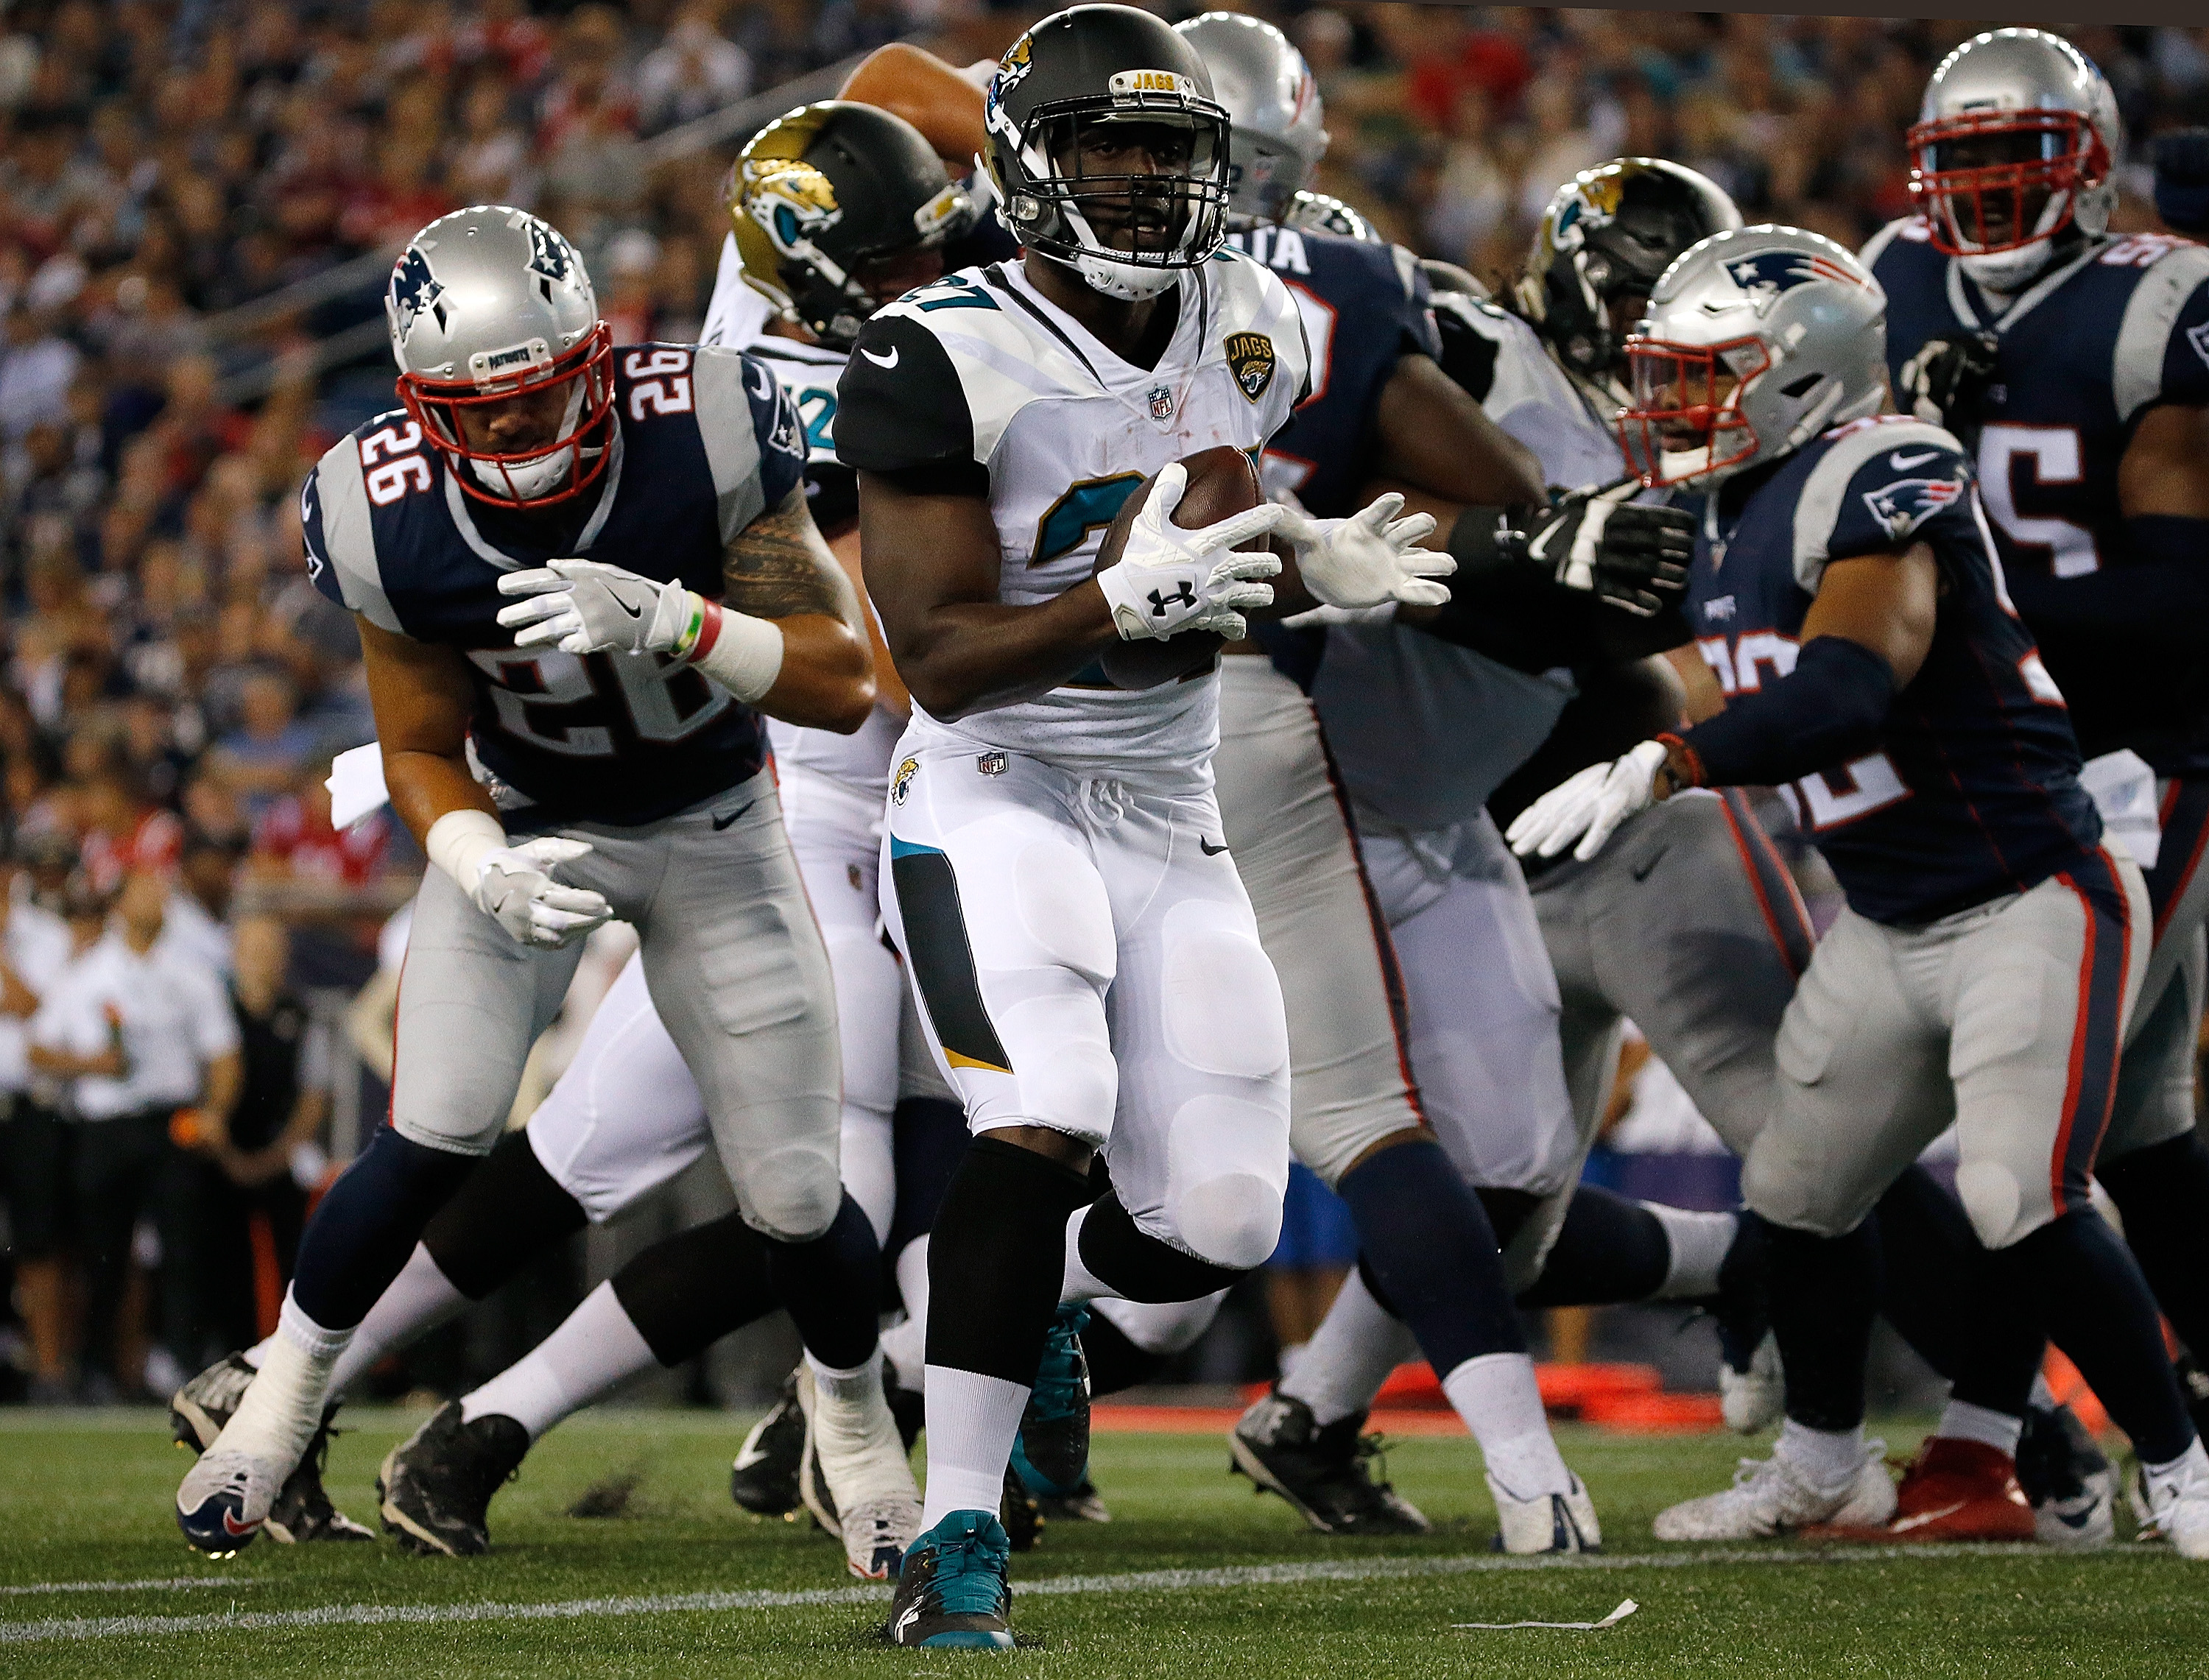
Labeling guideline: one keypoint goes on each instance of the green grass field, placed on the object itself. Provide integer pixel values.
(84, 1504)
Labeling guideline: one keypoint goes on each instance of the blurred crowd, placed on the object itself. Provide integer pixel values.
(196, 197)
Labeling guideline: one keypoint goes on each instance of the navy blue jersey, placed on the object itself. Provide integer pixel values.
(1365, 309)
(704, 441)
(2118, 328)
(1973, 790)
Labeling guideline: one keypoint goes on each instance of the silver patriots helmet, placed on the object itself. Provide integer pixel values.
(1057, 97)
(1323, 213)
(2014, 154)
(1277, 129)
(1756, 340)
(488, 304)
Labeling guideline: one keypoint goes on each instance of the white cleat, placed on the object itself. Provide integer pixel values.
(2086, 1520)
(856, 1466)
(1752, 1400)
(225, 1497)
(876, 1532)
(2178, 1508)
(1548, 1522)
(1770, 1497)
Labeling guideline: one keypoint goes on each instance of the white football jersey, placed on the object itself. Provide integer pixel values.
(1400, 705)
(739, 318)
(979, 371)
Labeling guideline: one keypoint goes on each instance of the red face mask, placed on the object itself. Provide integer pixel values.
(504, 476)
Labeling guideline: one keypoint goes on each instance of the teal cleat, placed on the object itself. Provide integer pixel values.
(952, 1593)
(1052, 1452)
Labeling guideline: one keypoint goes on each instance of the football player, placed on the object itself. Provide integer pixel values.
(571, 739)
(2074, 364)
(1992, 946)
(1085, 955)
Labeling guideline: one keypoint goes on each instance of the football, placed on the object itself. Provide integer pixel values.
(1222, 482)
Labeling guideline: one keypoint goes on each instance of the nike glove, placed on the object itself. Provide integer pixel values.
(1942, 384)
(1370, 558)
(1588, 806)
(513, 884)
(1598, 540)
(1169, 580)
(586, 606)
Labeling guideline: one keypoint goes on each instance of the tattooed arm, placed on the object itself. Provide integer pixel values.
(778, 567)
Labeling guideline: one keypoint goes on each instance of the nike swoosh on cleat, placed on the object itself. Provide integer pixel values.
(1208, 848)
(1902, 463)
(889, 361)
(721, 822)
(2070, 1521)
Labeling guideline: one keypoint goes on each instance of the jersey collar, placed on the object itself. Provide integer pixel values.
(1962, 290)
(456, 504)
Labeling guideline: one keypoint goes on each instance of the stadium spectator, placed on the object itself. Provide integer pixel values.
(34, 1156)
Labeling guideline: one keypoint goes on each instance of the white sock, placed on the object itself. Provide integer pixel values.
(1962, 1421)
(851, 1430)
(1350, 1355)
(1698, 1243)
(282, 1407)
(971, 1421)
(1500, 1403)
(904, 1345)
(2191, 1463)
(596, 1348)
(1828, 1459)
(418, 1300)
(1080, 1283)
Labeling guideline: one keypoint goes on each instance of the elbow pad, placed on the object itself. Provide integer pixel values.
(1828, 709)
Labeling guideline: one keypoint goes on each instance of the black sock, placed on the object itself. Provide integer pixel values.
(831, 1285)
(997, 1259)
(1138, 1266)
(368, 1224)
(927, 1136)
(687, 1291)
(1824, 1290)
(1115, 1363)
(2099, 1311)
(2163, 1191)
(1609, 1250)
(508, 1212)
(1507, 1211)
(1941, 1294)
(1424, 1237)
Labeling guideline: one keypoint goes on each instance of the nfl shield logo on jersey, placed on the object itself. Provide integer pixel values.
(1251, 357)
(1161, 403)
(1907, 503)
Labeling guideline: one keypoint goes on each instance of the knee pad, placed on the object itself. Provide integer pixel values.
(1227, 1168)
(1223, 1008)
(1996, 1204)
(790, 1195)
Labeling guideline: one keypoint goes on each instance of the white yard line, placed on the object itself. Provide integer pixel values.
(170, 1584)
(1144, 1581)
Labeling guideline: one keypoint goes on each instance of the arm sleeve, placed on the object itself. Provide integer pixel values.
(899, 403)
(1829, 709)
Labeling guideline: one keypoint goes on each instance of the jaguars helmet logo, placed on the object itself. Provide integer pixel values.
(1250, 359)
(1595, 200)
(792, 201)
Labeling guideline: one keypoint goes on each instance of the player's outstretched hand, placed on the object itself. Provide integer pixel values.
(1169, 580)
(1633, 555)
(514, 887)
(1588, 806)
(1942, 384)
(1370, 558)
(587, 607)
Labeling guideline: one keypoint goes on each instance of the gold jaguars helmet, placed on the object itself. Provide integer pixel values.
(833, 206)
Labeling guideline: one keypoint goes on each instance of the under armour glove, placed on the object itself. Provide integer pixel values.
(1942, 384)
(1169, 580)
(1598, 540)
(586, 606)
(513, 884)
(1588, 806)
(1370, 558)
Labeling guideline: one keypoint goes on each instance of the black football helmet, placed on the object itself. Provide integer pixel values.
(828, 197)
(1087, 66)
(1608, 234)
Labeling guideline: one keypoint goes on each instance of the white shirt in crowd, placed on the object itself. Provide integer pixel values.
(176, 1019)
(36, 943)
(188, 928)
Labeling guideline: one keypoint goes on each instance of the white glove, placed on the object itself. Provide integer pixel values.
(585, 606)
(1588, 806)
(1370, 558)
(515, 887)
(1169, 580)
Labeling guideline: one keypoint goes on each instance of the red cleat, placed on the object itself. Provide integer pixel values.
(1953, 1490)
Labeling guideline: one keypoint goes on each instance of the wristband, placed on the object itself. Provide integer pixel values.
(460, 840)
(742, 653)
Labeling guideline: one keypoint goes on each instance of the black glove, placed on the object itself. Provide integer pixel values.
(1634, 557)
(1942, 384)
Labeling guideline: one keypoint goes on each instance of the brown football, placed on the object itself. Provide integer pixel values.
(1222, 482)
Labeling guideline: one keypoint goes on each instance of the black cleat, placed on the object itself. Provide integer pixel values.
(1020, 1512)
(302, 1511)
(1054, 1439)
(1084, 1504)
(1321, 1472)
(952, 1593)
(2070, 1482)
(764, 1478)
(435, 1487)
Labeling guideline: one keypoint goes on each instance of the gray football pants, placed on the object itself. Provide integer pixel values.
(736, 970)
(2155, 1085)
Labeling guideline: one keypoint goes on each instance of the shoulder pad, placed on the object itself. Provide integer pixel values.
(754, 444)
(1909, 229)
(1875, 482)
(336, 529)
(2173, 273)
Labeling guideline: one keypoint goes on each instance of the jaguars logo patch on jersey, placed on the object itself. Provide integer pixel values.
(1250, 355)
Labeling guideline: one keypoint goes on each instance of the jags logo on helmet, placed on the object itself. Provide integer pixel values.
(414, 289)
(793, 201)
(1766, 274)
(1907, 503)
(1594, 203)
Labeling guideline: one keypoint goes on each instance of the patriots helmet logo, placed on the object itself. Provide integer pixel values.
(1903, 506)
(550, 255)
(414, 289)
(1766, 274)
